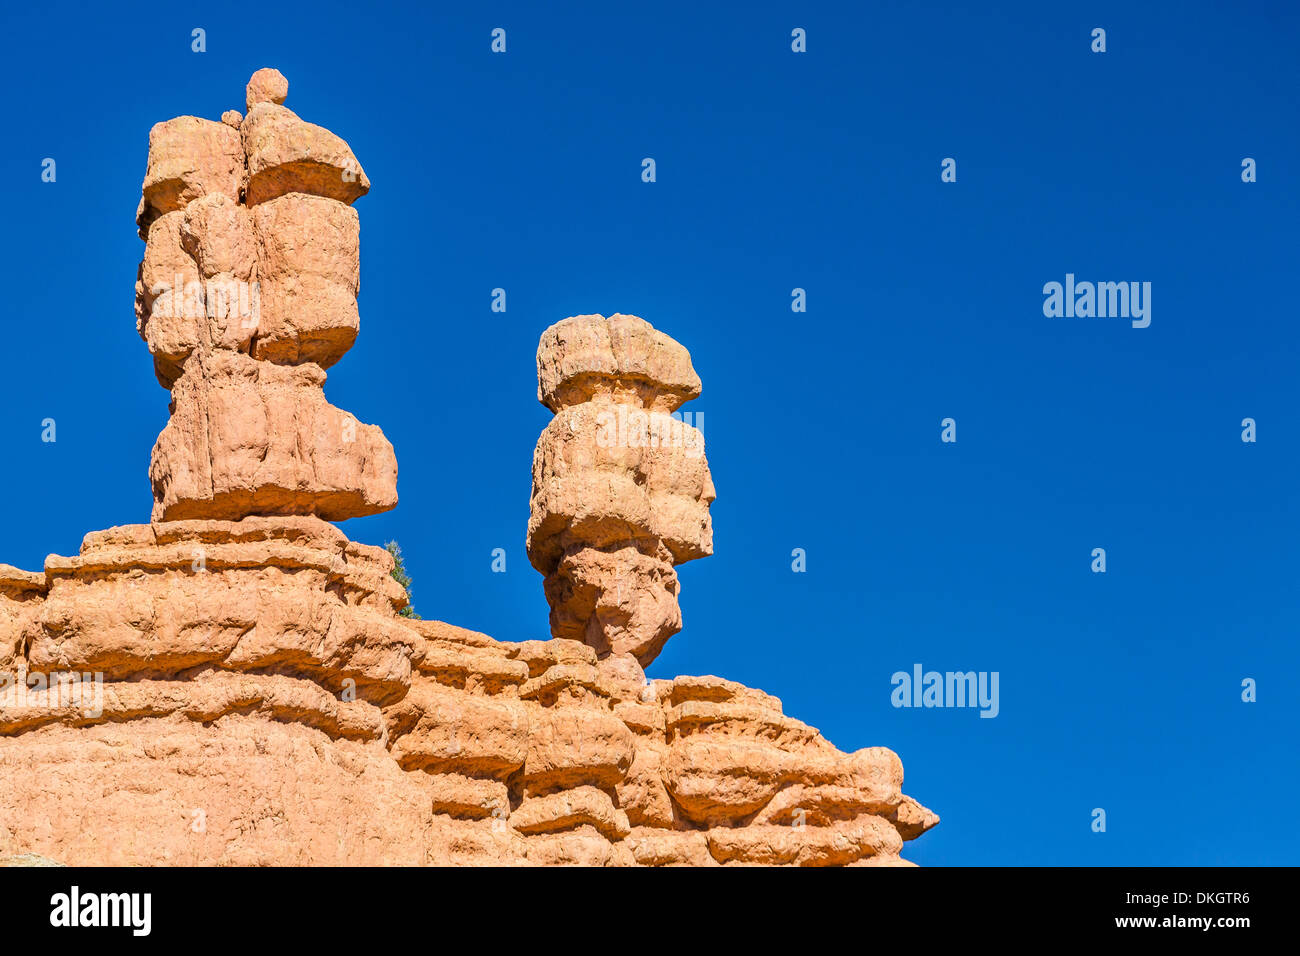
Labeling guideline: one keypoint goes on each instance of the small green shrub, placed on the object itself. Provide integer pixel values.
(402, 578)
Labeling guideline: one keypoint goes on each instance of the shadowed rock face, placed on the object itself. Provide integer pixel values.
(247, 291)
(233, 682)
(621, 489)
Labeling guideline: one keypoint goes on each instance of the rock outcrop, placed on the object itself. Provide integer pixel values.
(621, 489)
(233, 683)
(247, 292)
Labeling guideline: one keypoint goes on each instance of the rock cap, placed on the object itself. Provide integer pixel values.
(624, 356)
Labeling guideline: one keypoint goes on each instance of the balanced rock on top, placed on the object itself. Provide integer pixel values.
(267, 85)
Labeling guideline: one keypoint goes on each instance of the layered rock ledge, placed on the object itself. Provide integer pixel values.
(261, 702)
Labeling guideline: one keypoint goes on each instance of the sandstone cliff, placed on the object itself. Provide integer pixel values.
(233, 684)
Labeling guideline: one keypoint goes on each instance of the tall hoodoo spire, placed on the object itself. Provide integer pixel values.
(621, 489)
(247, 292)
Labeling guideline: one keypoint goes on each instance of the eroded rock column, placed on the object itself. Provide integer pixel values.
(621, 488)
(246, 294)
(253, 672)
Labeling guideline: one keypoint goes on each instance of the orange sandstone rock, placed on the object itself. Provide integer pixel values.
(269, 650)
(267, 85)
(189, 158)
(288, 155)
(253, 438)
(247, 291)
(621, 489)
(232, 684)
(309, 272)
(622, 356)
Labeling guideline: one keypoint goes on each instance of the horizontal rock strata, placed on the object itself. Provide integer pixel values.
(270, 650)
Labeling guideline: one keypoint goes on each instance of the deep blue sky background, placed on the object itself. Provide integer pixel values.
(778, 170)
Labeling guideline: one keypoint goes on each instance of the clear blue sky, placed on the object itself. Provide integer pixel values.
(778, 170)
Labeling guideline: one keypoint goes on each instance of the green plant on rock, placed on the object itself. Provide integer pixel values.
(402, 578)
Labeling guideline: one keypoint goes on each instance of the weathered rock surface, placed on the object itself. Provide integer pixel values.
(267, 85)
(21, 596)
(247, 290)
(233, 683)
(621, 488)
(287, 155)
(270, 650)
(622, 357)
(254, 438)
(27, 859)
(309, 273)
(189, 158)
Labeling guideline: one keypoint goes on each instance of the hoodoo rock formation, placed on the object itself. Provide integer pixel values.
(247, 292)
(233, 683)
(621, 490)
